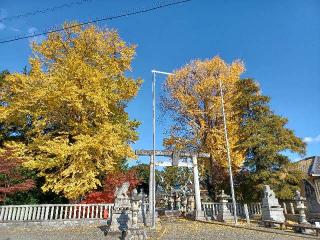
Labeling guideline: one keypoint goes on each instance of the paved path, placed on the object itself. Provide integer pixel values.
(178, 229)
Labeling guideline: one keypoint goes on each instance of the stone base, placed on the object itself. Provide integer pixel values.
(200, 215)
(172, 213)
(121, 221)
(273, 214)
(190, 215)
(136, 234)
(226, 219)
(224, 215)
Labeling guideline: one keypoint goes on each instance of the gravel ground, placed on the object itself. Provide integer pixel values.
(91, 232)
(178, 229)
(184, 229)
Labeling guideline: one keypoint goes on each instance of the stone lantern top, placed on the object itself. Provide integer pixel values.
(223, 198)
(299, 200)
(298, 196)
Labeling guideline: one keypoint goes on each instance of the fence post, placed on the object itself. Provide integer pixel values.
(51, 212)
(30, 213)
(34, 214)
(10, 213)
(246, 213)
(79, 211)
(42, 212)
(292, 208)
(70, 211)
(46, 212)
(6, 211)
(84, 212)
(74, 216)
(101, 211)
(21, 213)
(26, 213)
(284, 208)
(14, 214)
(2, 209)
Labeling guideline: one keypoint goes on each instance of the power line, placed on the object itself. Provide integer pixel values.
(42, 11)
(121, 15)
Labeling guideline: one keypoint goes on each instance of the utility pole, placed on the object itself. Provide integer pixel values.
(228, 155)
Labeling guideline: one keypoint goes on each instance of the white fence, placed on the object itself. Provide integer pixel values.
(289, 207)
(211, 209)
(254, 209)
(52, 212)
(48, 212)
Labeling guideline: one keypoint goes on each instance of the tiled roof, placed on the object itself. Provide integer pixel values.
(310, 165)
(315, 170)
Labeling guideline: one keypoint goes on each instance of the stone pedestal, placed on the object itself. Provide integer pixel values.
(125, 214)
(136, 234)
(200, 215)
(271, 209)
(122, 212)
(224, 214)
(120, 221)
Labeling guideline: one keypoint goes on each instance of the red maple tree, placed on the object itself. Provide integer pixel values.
(111, 182)
(11, 179)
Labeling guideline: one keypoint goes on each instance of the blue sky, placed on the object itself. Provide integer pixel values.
(279, 42)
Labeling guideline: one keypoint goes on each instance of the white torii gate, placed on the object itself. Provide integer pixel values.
(175, 157)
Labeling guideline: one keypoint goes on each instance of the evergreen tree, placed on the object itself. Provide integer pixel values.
(264, 138)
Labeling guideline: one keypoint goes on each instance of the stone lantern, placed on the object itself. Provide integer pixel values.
(184, 202)
(302, 215)
(301, 208)
(190, 203)
(178, 202)
(135, 206)
(171, 203)
(224, 214)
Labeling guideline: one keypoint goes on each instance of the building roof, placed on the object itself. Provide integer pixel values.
(310, 166)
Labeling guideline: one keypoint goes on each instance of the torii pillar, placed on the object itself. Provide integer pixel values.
(198, 213)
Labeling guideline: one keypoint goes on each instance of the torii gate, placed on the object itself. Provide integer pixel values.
(175, 157)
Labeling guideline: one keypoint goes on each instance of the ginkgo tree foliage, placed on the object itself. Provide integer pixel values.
(73, 105)
(192, 96)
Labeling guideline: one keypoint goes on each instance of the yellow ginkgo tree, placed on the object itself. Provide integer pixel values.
(192, 96)
(71, 108)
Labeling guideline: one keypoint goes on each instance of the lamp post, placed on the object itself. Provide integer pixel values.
(228, 155)
(152, 181)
